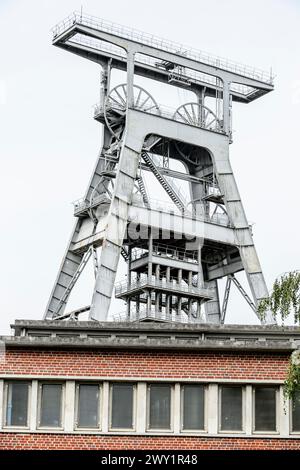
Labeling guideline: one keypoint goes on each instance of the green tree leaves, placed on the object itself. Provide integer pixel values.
(285, 297)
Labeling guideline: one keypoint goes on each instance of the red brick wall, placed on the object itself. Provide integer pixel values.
(64, 442)
(156, 364)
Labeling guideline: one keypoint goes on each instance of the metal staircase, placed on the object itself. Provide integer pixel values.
(162, 180)
(171, 182)
(143, 191)
(124, 254)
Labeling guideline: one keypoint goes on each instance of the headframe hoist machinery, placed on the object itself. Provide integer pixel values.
(174, 277)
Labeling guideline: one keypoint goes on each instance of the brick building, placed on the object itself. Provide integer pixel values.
(88, 385)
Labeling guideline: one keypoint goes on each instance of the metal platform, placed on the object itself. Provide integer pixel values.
(75, 34)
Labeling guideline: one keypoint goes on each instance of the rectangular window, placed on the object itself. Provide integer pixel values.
(265, 408)
(88, 405)
(296, 413)
(193, 407)
(50, 405)
(17, 398)
(122, 396)
(231, 402)
(159, 406)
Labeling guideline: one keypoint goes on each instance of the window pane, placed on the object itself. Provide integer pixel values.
(88, 406)
(265, 409)
(160, 407)
(193, 407)
(122, 406)
(231, 408)
(17, 404)
(296, 413)
(51, 405)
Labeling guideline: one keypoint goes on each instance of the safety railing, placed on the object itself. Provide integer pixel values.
(145, 313)
(172, 285)
(82, 205)
(165, 207)
(164, 111)
(167, 252)
(138, 253)
(98, 109)
(169, 208)
(186, 74)
(162, 44)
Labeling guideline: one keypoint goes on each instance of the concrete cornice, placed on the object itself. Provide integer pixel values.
(154, 327)
(150, 335)
(161, 343)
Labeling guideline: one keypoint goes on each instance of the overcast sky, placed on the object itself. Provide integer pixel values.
(49, 141)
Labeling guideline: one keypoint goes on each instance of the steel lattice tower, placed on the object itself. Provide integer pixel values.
(173, 277)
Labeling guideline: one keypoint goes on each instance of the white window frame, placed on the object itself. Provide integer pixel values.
(277, 421)
(291, 419)
(205, 392)
(5, 404)
(156, 430)
(228, 431)
(134, 406)
(76, 414)
(62, 404)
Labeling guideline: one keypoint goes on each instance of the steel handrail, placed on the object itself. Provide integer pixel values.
(138, 253)
(145, 313)
(188, 74)
(167, 112)
(168, 208)
(172, 284)
(162, 44)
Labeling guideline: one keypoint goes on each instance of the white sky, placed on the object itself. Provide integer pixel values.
(49, 141)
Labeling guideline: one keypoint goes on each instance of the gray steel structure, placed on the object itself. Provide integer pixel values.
(171, 278)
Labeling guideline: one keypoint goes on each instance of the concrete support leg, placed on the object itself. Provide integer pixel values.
(190, 302)
(190, 309)
(179, 307)
(148, 302)
(157, 294)
(198, 309)
(114, 233)
(128, 309)
(157, 300)
(137, 299)
(168, 296)
(212, 308)
(244, 238)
